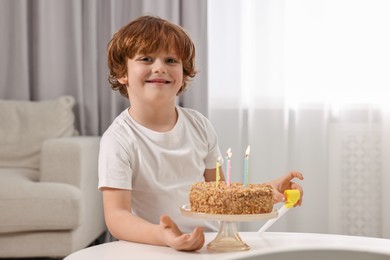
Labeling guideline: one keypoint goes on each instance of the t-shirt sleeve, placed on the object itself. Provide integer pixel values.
(114, 164)
(213, 147)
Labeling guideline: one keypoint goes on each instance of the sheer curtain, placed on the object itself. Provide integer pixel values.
(52, 48)
(305, 84)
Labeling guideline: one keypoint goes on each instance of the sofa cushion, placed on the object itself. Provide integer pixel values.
(24, 125)
(28, 205)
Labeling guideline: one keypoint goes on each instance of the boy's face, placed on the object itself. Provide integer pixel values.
(153, 78)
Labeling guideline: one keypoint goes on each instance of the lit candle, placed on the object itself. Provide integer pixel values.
(246, 166)
(217, 175)
(228, 167)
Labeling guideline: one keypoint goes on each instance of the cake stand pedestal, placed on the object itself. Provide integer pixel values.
(227, 238)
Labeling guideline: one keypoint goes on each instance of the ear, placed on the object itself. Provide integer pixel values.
(123, 80)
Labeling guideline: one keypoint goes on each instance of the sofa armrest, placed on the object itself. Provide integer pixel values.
(74, 161)
(71, 160)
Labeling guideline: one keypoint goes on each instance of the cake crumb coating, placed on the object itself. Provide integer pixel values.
(207, 197)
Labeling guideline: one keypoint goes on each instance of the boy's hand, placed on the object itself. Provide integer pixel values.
(284, 183)
(174, 238)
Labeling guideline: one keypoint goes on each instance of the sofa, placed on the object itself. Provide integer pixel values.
(49, 202)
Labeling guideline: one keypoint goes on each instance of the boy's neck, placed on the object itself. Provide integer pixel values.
(160, 120)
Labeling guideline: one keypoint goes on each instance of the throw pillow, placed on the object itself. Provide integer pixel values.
(24, 125)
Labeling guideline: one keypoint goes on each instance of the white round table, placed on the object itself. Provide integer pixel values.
(270, 245)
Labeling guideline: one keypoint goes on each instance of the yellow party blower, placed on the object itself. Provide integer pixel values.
(292, 197)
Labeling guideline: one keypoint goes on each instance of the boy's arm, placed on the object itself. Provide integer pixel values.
(209, 174)
(286, 182)
(123, 225)
(279, 185)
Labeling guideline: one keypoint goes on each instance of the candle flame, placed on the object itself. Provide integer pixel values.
(229, 153)
(247, 151)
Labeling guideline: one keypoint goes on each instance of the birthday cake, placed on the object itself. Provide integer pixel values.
(208, 197)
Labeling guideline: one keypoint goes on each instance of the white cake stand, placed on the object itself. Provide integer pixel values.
(227, 238)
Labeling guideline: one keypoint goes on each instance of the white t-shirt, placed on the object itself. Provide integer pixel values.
(159, 167)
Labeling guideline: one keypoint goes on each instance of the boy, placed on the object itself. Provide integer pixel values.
(154, 150)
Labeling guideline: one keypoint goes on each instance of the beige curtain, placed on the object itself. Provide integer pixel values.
(58, 47)
(306, 84)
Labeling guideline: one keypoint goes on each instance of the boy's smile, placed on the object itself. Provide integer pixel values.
(158, 81)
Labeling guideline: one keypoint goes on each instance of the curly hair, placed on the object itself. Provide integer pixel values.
(148, 34)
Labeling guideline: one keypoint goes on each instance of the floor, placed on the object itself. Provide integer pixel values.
(31, 258)
(102, 239)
